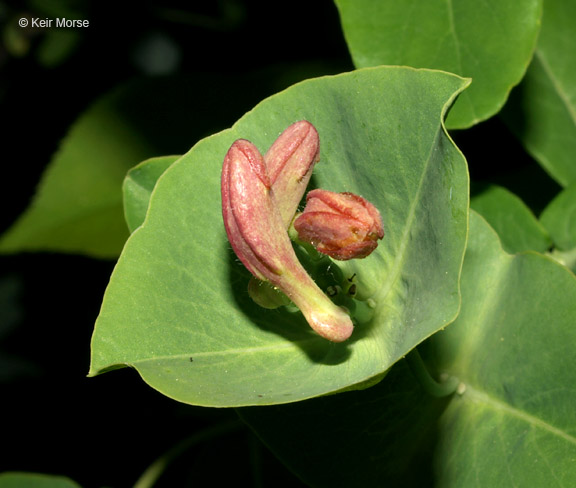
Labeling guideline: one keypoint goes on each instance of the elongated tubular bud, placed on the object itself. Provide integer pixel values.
(258, 236)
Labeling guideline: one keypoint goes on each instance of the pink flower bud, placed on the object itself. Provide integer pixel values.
(256, 229)
(342, 225)
(289, 163)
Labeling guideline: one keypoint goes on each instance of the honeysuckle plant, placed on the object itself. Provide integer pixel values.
(257, 274)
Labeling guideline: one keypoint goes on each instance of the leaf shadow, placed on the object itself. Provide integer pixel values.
(395, 425)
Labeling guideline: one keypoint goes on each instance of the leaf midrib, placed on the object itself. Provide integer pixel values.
(280, 347)
(539, 55)
(401, 255)
(477, 395)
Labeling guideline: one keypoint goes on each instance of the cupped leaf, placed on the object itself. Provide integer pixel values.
(138, 186)
(490, 42)
(542, 110)
(511, 421)
(516, 225)
(177, 308)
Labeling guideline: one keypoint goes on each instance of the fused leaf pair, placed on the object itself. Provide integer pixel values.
(260, 196)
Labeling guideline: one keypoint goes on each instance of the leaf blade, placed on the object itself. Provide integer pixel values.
(177, 292)
(491, 43)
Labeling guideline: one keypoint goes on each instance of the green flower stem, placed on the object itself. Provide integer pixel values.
(430, 385)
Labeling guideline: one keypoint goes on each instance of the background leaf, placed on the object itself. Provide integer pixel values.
(78, 204)
(512, 421)
(138, 186)
(492, 43)
(542, 110)
(33, 480)
(518, 228)
(177, 309)
(559, 218)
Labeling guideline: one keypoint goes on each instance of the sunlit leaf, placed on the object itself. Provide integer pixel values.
(177, 308)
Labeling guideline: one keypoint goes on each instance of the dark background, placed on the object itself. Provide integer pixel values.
(105, 431)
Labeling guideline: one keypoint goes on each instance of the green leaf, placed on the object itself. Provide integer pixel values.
(138, 186)
(559, 218)
(492, 43)
(516, 225)
(33, 480)
(177, 308)
(78, 205)
(542, 110)
(511, 423)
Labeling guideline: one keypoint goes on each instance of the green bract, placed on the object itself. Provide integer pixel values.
(177, 309)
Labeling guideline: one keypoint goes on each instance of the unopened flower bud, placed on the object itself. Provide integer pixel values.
(289, 163)
(256, 228)
(342, 225)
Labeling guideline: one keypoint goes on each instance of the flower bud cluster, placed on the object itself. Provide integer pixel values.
(260, 196)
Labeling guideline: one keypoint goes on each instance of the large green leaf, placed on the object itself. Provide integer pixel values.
(177, 309)
(542, 110)
(516, 225)
(491, 42)
(512, 421)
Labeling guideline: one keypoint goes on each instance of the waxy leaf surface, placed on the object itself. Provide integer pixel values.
(490, 42)
(511, 422)
(177, 308)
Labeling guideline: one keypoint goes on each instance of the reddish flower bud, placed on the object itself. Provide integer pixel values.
(256, 228)
(342, 225)
(289, 163)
